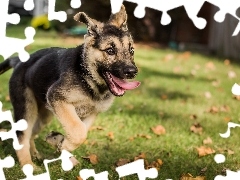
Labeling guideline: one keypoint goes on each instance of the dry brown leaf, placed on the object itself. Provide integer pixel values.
(232, 74)
(193, 116)
(96, 128)
(230, 152)
(196, 128)
(236, 97)
(92, 158)
(110, 136)
(208, 140)
(79, 178)
(7, 98)
(185, 55)
(177, 70)
(131, 138)
(159, 130)
(164, 97)
(213, 110)
(155, 164)
(188, 176)
(207, 95)
(216, 83)
(210, 65)
(227, 62)
(224, 108)
(122, 162)
(140, 156)
(227, 119)
(168, 57)
(203, 151)
(193, 72)
(144, 136)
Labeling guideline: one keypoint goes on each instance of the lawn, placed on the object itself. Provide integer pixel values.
(178, 90)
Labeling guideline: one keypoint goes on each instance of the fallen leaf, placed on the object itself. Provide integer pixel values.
(227, 62)
(159, 130)
(230, 152)
(79, 178)
(96, 128)
(92, 158)
(210, 65)
(203, 151)
(197, 66)
(216, 83)
(188, 176)
(196, 128)
(144, 136)
(237, 97)
(164, 97)
(207, 95)
(122, 162)
(177, 70)
(193, 72)
(227, 119)
(110, 136)
(140, 156)
(168, 57)
(208, 140)
(213, 110)
(224, 108)
(131, 138)
(185, 55)
(7, 98)
(193, 116)
(232, 74)
(155, 164)
(130, 106)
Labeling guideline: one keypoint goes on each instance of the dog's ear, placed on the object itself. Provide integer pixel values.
(119, 19)
(93, 25)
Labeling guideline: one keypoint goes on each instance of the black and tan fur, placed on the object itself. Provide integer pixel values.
(70, 83)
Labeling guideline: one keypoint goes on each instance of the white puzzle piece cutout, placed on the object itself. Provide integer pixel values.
(20, 125)
(192, 9)
(9, 45)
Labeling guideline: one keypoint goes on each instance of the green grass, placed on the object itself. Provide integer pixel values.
(171, 91)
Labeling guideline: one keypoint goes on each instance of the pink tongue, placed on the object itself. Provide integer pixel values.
(124, 84)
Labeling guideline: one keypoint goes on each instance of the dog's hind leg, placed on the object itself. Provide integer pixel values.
(44, 117)
(25, 107)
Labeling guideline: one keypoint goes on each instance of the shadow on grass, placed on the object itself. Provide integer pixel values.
(147, 72)
(164, 94)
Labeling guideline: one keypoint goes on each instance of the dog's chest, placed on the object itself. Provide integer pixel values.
(86, 106)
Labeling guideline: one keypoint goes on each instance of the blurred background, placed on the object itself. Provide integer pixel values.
(186, 78)
(181, 34)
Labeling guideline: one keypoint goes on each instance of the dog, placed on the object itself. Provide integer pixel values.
(74, 84)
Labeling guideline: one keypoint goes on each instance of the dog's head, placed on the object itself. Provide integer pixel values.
(109, 51)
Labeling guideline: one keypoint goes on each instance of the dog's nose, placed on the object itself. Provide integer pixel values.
(130, 71)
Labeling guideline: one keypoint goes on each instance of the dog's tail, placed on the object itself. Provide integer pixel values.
(8, 64)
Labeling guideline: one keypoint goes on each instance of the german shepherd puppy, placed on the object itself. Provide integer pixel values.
(74, 84)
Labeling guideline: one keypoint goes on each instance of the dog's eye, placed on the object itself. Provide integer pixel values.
(110, 51)
(131, 51)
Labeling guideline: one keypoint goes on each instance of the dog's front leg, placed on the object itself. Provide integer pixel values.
(75, 129)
